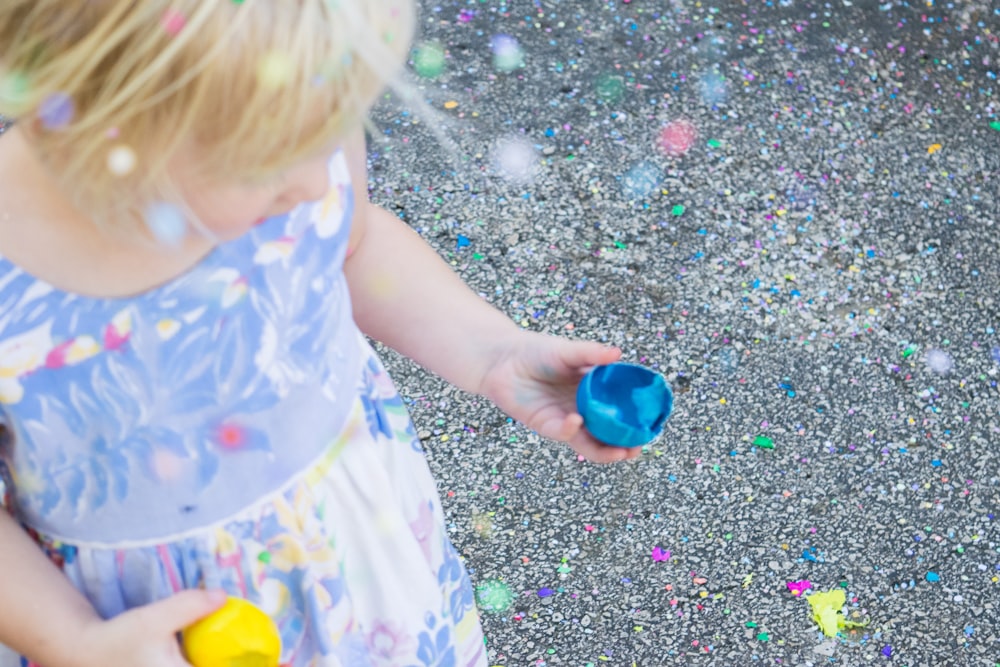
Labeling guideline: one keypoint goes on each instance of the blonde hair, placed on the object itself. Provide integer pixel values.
(111, 89)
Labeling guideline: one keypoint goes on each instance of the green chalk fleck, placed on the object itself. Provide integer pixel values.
(494, 596)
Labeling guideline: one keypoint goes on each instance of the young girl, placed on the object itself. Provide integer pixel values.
(189, 406)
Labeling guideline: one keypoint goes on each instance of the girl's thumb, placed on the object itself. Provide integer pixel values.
(181, 609)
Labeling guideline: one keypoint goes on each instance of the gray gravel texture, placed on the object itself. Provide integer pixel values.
(819, 268)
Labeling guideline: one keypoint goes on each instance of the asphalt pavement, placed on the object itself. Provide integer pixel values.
(790, 210)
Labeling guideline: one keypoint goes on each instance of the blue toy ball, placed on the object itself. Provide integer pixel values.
(624, 405)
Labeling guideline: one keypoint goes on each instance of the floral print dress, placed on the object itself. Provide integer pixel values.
(233, 428)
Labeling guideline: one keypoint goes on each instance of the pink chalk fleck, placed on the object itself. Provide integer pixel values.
(799, 587)
(173, 22)
(660, 555)
(677, 137)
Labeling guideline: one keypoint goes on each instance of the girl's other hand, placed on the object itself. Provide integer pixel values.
(146, 636)
(534, 380)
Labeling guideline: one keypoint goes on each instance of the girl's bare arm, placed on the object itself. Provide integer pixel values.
(41, 615)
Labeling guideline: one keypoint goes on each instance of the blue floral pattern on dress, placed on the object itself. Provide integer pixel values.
(170, 399)
(436, 649)
(233, 429)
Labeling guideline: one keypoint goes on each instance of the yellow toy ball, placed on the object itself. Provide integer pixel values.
(238, 634)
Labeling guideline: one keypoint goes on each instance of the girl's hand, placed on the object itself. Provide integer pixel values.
(146, 636)
(534, 380)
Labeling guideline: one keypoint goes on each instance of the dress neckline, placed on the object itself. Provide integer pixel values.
(211, 259)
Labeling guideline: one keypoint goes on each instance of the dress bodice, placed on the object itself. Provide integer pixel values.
(136, 419)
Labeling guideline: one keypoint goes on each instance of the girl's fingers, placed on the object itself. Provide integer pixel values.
(633, 453)
(597, 452)
(578, 355)
(570, 427)
(173, 614)
(562, 428)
